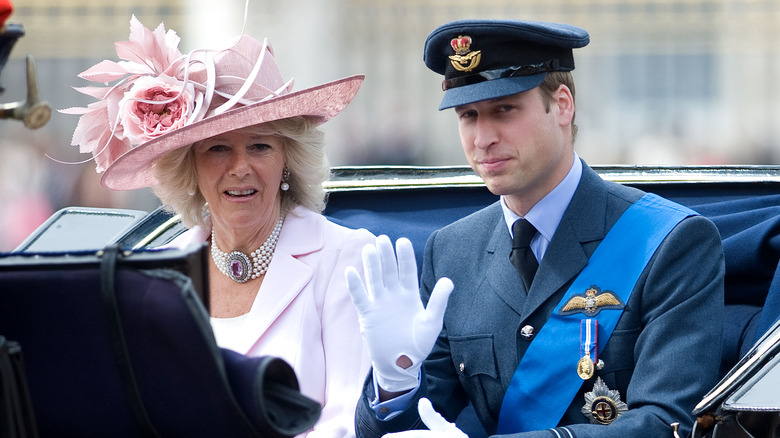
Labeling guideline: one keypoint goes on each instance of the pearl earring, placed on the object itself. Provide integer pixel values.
(285, 176)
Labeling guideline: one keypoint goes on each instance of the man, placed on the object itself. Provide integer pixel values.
(616, 333)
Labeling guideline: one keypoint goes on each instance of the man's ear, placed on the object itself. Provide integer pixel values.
(564, 101)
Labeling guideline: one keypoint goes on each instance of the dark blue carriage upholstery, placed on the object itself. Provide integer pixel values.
(131, 353)
(748, 217)
(750, 230)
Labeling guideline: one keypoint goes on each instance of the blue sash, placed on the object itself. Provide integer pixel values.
(544, 384)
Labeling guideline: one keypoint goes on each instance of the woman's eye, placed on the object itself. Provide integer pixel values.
(218, 148)
(260, 146)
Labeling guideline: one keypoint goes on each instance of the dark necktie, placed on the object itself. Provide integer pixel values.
(521, 256)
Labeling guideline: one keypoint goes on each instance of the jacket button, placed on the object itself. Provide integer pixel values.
(462, 367)
(527, 332)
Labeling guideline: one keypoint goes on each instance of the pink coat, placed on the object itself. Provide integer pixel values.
(303, 313)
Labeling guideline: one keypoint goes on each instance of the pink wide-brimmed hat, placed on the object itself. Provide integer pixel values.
(164, 100)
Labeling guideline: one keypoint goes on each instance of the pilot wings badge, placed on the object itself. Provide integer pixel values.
(592, 302)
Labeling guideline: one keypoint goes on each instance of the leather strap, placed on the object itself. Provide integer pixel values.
(108, 295)
(17, 418)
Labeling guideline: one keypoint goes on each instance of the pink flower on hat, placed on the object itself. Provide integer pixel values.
(149, 62)
(154, 106)
(157, 91)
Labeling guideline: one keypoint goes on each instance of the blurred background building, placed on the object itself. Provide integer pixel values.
(662, 81)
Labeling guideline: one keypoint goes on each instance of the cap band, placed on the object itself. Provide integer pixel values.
(509, 72)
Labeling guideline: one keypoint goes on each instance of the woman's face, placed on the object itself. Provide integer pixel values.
(239, 174)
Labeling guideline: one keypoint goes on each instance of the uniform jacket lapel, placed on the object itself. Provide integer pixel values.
(506, 284)
(582, 227)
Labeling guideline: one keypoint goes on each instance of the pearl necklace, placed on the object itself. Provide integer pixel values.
(241, 267)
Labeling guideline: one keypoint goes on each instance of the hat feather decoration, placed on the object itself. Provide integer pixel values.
(153, 94)
(146, 54)
(162, 100)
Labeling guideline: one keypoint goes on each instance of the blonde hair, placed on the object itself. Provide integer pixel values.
(304, 150)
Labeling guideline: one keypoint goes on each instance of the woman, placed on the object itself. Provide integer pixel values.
(224, 143)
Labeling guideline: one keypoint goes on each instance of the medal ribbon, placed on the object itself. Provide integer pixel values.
(541, 388)
(589, 333)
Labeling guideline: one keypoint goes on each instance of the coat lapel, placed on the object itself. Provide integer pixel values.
(583, 223)
(505, 282)
(287, 275)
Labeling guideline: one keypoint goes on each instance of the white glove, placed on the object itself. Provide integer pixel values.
(437, 425)
(393, 321)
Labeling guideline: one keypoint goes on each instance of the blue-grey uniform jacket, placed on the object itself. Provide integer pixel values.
(662, 357)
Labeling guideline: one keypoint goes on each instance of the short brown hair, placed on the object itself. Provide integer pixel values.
(550, 84)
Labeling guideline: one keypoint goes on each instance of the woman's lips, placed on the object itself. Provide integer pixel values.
(240, 194)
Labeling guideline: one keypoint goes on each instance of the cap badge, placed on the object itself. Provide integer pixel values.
(603, 405)
(592, 302)
(464, 59)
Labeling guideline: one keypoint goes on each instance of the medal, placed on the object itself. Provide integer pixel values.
(603, 405)
(586, 367)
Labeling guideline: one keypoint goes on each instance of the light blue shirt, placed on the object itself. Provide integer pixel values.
(547, 213)
(545, 217)
(390, 408)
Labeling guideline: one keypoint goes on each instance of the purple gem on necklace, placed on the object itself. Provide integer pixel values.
(237, 268)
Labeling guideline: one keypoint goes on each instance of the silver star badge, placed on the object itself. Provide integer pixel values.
(603, 405)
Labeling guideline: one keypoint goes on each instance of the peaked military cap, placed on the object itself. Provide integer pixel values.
(487, 59)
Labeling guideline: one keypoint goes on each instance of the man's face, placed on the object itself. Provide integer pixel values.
(519, 146)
